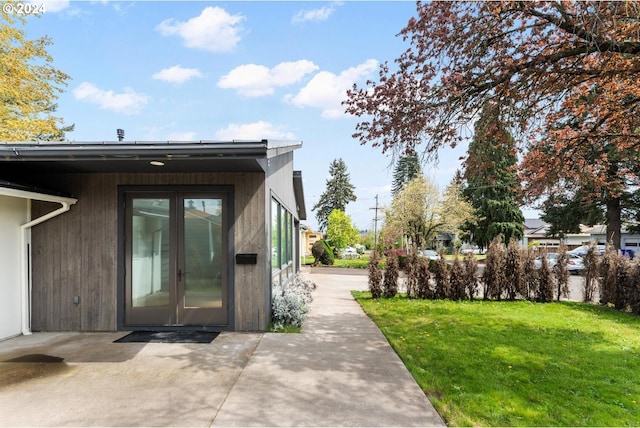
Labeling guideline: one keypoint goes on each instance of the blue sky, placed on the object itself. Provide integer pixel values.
(199, 70)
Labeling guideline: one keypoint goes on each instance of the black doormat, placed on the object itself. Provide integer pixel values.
(168, 337)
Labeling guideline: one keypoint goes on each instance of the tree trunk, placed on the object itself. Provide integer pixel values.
(614, 224)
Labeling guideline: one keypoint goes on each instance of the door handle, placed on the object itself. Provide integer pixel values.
(179, 275)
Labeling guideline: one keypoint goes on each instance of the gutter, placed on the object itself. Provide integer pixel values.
(25, 243)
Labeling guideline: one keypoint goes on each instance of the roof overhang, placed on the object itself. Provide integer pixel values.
(35, 193)
(298, 191)
(120, 156)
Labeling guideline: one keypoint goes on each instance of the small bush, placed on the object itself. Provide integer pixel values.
(457, 280)
(470, 275)
(290, 303)
(513, 273)
(530, 275)
(390, 283)
(375, 277)
(322, 253)
(590, 273)
(411, 268)
(441, 277)
(546, 279)
(423, 279)
(562, 273)
(493, 276)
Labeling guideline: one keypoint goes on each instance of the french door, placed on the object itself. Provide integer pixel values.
(176, 261)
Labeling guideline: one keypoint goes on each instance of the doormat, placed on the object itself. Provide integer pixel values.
(168, 337)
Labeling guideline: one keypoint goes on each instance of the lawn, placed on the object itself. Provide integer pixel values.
(517, 363)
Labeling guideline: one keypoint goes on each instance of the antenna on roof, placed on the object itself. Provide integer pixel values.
(120, 134)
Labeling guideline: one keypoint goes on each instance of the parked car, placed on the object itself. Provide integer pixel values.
(430, 254)
(575, 264)
(466, 249)
(582, 250)
(349, 253)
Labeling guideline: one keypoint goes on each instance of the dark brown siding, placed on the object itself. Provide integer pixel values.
(75, 254)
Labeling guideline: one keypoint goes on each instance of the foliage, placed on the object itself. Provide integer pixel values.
(546, 281)
(455, 211)
(290, 302)
(492, 182)
(441, 277)
(29, 86)
(341, 231)
(517, 363)
(412, 270)
(590, 273)
(414, 213)
(375, 277)
(407, 168)
(339, 192)
(524, 56)
(610, 269)
(424, 290)
(470, 275)
(529, 273)
(457, 283)
(493, 277)
(322, 253)
(562, 273)
(514, 270)
(391, 273)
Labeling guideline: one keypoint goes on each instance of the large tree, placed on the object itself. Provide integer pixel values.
(407, 168)
(341, 231)
(29, 85)
(414, 213)
(531, 58)
(455, 209)
(339, 192)
(492, 182)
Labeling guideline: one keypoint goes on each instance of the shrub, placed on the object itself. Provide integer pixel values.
(390, 283)
(470, 275)
(375, 277)
(562, 273)
(457, 280)
(608, 274)
(545, 286)
(513, 273)
(423, 279)
(441, 277)
(493, 276)
(322, 253)
(590, 273)
(529, 274)
(411, 268)
(290, 303)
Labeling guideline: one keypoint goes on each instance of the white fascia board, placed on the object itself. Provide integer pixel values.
(25, 194)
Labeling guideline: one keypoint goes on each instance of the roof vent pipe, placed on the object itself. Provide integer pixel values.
(120, 134)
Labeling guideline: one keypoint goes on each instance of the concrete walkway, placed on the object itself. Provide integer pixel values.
(339, 372)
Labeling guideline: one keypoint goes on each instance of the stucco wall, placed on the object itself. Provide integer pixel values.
(13, 213)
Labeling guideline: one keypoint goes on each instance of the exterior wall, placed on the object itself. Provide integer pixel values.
(311, 238)
(280, 181)
(76, 254)
(13, 213)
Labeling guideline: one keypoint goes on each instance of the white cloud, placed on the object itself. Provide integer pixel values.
(254, 131)
(127, 102)
(177, 74)
(327, 90)
(252, 80)
(213, 30)
(320, 14)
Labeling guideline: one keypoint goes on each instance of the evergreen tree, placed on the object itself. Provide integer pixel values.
(407, 168)
(339, 192)
(492, 181)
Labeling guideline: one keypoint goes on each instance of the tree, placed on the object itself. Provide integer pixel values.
(537, 60)
(339, 192)
(524, 55)
(492, 182)
(29, 86)
(587, 177)
(414, 212)
(455, 210)
(341, 231)
(407, 168)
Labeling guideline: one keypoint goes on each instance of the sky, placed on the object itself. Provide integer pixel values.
(234, 70)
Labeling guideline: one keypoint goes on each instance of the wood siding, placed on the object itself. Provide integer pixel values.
(76, 254)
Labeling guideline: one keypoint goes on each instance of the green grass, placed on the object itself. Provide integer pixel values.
(361, 263)
(517, 363)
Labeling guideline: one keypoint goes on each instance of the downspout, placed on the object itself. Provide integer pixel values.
(25, 258)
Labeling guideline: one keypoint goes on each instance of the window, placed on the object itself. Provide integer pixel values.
(281, 243)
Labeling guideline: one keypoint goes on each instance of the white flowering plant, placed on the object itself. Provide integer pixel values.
(290, 302)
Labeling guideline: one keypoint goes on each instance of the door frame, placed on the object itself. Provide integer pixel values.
(123, 190)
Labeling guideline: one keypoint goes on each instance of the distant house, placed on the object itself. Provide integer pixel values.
(146, 235)
(309, 238)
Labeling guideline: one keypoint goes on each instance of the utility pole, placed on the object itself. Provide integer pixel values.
(375, 226)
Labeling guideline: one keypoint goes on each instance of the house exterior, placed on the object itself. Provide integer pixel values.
(161, 235)
(309, 238)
